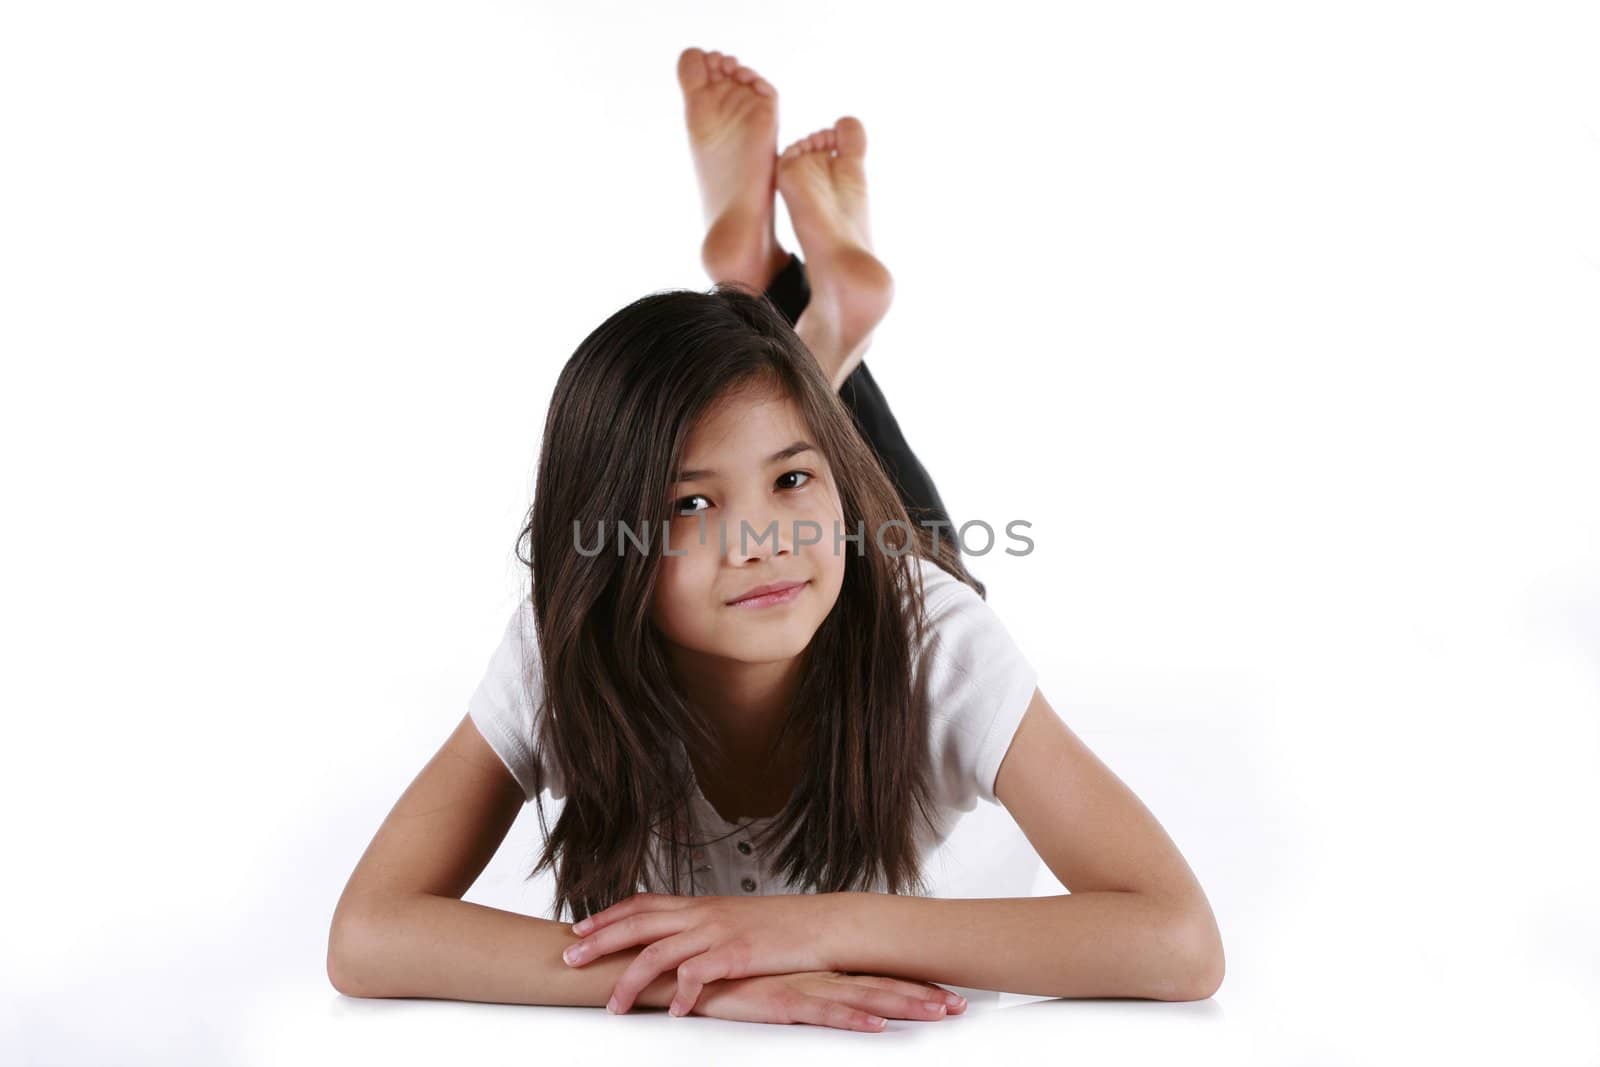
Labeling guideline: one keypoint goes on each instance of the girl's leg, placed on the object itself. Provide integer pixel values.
(790, 292)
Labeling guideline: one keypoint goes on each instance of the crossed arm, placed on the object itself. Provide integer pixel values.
(1098, 944)
(1136, 924)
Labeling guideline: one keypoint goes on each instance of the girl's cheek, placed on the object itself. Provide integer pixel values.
(686, 538)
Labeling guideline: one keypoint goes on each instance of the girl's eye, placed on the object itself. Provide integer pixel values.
(804, 474)
(680, 506)
(679, 509)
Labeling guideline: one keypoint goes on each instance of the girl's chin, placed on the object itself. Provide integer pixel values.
(769, 645)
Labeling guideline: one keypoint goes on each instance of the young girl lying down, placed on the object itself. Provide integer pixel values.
(756, 671)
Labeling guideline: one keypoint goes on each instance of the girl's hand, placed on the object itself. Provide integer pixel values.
(707, 939)
(826, 998)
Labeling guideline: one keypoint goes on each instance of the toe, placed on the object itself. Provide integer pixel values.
(850, 136)
(692, 71)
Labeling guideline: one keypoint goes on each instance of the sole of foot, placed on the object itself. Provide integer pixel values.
(732, 117)
(822, 178)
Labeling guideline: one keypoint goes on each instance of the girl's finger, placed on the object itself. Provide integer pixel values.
(711, 965)
(920, 990)
(888, 1003)
(622, 908)
(825, 1011)
(646, 926)
(655, 959)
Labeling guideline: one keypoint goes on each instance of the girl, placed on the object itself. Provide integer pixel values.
(756, 670)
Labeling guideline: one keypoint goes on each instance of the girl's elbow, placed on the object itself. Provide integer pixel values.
(344, 963)
(1196, 960)
(1208, 974)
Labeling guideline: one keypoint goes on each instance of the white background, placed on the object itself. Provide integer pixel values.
(1277, 321)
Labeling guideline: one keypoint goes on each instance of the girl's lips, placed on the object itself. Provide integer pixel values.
(782, 596)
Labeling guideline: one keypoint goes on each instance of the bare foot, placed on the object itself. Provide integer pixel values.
(824, 183)
(732, 114)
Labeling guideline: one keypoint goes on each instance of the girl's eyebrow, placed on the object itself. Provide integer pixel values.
(782, 454)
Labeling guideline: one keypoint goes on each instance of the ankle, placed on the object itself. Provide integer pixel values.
(822, 340)
(777, 260)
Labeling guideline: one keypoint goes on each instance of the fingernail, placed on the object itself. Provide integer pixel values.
(571, 954)
(611, 1005)
(933, 1005)
(873, 1020)
(581, 928)
(957, 999)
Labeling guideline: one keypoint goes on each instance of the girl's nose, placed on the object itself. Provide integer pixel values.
(755, 534)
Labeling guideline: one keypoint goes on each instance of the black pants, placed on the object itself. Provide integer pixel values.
(790, 292)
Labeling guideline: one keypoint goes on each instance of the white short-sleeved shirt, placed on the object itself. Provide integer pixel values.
(979, 686)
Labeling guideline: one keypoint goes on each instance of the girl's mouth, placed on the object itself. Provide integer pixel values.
(772, 599)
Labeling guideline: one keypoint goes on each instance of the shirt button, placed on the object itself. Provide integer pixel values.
(748, 885)
(744, 846)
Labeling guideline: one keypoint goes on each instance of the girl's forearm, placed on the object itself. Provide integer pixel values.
(439, 947)
(1101, 944)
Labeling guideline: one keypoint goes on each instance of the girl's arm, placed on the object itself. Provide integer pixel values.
(1136, 923)
(401, 928)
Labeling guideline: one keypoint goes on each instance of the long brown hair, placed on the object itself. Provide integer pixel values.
(612, 715)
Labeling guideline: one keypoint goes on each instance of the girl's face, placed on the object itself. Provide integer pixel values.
(750, 467)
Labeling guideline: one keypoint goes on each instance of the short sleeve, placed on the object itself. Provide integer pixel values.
(506, 704)
(978, 686)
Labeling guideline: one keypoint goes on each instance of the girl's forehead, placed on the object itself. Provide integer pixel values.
(748, 418)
